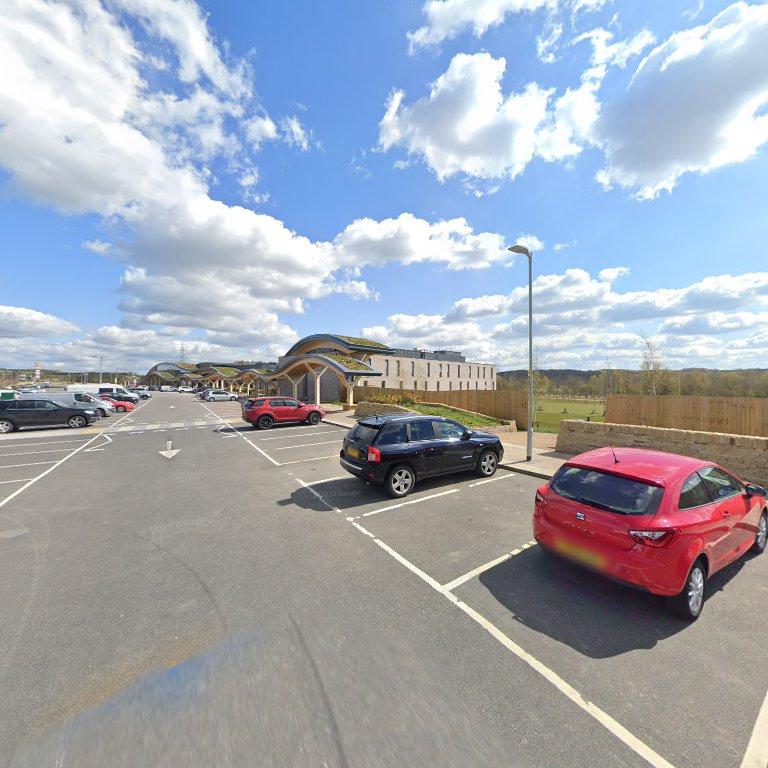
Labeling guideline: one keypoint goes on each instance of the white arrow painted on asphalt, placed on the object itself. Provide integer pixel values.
(169, 451)
(102, 446)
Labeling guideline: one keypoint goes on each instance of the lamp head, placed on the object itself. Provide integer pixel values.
(521, 249)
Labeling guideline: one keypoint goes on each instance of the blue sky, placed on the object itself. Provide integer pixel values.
(236, 175)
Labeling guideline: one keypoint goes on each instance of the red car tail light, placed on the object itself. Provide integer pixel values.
(374, 454)
(657, 538)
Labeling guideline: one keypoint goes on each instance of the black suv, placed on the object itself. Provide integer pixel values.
(42, 413)
(399, 450)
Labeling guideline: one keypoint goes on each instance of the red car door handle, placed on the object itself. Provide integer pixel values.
(726, 512)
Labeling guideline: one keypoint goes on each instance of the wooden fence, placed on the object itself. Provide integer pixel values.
(733, 415)
(501, 404)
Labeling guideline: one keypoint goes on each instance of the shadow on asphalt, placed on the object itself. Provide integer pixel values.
(349, 493)
(593, 615)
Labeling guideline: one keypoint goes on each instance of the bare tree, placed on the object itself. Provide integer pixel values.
(652, 365)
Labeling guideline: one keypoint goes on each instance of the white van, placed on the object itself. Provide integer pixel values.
(78, 400)
(107, 388)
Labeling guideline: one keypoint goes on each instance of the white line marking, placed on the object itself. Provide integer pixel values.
(52, 442)
(50, 469)
(457, 582)
(505, 476)
(303, 445)
(288, 437)
(12, 533)
(756, 755)
(253, 445)
(405, 503)
(301, 461)
(22, 480)
(329, 480)
(360, 528)
(317, 495)
(29, 453)
(602, 717)
(618, 730)
(31, 464)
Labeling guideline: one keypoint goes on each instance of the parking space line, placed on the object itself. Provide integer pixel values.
(22, 480)
(287, 437)
(31, 464)
(756, 755)
(253, 445)
(52, 442)
(457, 582)
(616, 728)
(405, 503)
(505, 476)
(303, 445)
(301, 461)
(29, 453)
(328, 480)
(602, 717)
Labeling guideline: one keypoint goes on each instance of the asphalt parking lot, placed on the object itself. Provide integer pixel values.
(243, 526)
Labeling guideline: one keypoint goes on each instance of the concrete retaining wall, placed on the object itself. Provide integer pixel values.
(746, 456)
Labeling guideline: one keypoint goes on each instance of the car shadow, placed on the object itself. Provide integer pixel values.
(593, 615)
(347, 494)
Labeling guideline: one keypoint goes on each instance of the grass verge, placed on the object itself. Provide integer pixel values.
(468, 419)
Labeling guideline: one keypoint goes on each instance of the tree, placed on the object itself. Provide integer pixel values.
(652, 365)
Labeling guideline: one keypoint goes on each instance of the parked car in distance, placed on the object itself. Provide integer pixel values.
(186, 389)
(121, 406)
(219, 394)
(203, 392)
(104, 389)
(263, 412)
(37, 412)
(142, 392)
(398, 451)
(659, 521)
(80, 400)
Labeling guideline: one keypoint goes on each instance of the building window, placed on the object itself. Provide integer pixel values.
(437, 386)
(383, 384)
(397, 366)
(449, 371)
(429, 369)
(449, 385)
(441, 370)
(386, 368)
(415, 384)
(460, 383)
(413, 368)
(365, 382)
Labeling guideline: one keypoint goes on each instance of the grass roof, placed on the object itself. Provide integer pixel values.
(348, 362)
(358, 341)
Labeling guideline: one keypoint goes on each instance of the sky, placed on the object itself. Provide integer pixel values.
(233, 175)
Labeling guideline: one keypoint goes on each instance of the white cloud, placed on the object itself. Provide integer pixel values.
(447, 18)
(467, 125)
(259, 129)
(696, 103)
(531, 242)
(546, 42)
(294, 133)
(97, 246)
(410, 240)
(581, 322)
(22, 323)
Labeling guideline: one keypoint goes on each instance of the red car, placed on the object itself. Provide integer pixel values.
(263, 412)
(656, 520)
(121, 406)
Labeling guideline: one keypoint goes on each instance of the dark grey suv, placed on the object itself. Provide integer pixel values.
(28, 412)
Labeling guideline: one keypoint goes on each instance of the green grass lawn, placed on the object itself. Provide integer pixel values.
(468, 419)
(549, 413)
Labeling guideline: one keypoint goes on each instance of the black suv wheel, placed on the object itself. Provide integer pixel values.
(400, 481)
(487, 463)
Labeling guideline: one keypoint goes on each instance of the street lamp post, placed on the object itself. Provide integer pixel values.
(521, 249)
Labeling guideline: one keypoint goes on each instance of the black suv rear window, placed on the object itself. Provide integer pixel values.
(393, 434)
(606, 491)
(364, 434)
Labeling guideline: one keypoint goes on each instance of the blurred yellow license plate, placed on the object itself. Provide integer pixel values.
(353, 453)
(580, 554)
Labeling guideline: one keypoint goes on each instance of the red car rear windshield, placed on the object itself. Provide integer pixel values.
(606, 491)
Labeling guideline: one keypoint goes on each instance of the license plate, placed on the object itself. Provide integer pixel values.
(580, 554)
(353, 453)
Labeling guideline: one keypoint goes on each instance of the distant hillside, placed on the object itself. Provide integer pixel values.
(748, 382)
